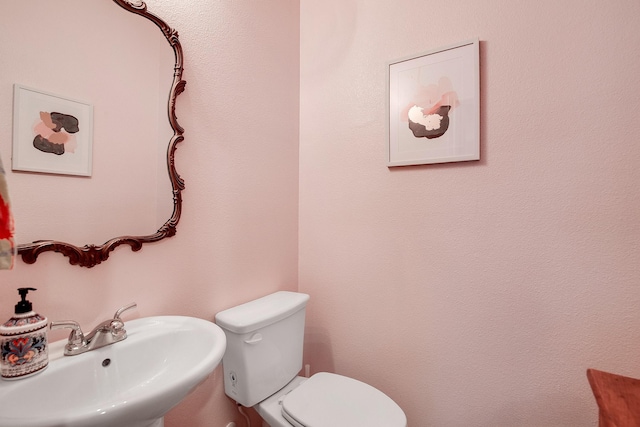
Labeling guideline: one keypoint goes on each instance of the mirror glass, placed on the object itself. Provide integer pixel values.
(102, 54)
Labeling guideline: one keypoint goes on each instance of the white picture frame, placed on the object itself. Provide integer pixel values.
(51, 134)
(434, 106)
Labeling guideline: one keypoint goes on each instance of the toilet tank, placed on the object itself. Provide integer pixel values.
(264, 345)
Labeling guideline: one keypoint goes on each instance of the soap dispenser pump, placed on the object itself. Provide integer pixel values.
(23, 341)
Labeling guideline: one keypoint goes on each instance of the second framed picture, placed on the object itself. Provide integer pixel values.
(51, 134)
(434, 106)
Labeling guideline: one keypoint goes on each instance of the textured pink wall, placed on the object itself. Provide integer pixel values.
(237, 239)
(475, 294)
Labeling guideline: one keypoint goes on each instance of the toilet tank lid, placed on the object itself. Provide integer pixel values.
(261, 312)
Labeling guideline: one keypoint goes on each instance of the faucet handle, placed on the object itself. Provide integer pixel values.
(116, 325)
(123, 309)
(76, 337)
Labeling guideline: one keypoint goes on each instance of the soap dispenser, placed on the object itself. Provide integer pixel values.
(23, 341)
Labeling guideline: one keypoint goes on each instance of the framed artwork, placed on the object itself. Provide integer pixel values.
(434, 106)
(51, 134)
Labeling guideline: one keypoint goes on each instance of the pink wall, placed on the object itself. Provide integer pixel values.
(237, 239)
(475, 294)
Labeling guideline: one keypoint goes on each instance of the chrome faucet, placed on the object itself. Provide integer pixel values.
(108, 332)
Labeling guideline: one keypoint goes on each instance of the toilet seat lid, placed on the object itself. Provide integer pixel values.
(329, 400)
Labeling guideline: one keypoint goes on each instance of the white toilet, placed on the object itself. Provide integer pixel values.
(264, 356)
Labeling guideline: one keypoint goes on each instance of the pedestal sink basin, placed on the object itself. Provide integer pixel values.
(132, 383)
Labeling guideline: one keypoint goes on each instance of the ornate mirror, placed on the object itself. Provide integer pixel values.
(121, 54)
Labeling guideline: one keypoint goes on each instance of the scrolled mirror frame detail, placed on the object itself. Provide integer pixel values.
(91, 255)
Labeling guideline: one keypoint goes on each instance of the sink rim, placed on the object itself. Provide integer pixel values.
(165, 395)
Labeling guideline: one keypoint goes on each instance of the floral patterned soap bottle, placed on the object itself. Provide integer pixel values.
(23, 341)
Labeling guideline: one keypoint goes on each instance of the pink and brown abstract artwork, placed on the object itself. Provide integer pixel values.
(427, 115)
(54, 133)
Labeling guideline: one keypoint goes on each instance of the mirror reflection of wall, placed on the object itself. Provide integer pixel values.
(119, 62)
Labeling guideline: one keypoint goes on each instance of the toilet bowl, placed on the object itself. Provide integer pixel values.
(262, 360)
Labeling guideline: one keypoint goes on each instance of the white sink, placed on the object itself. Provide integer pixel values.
(131, 383)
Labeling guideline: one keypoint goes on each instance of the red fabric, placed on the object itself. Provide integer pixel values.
(6, 220)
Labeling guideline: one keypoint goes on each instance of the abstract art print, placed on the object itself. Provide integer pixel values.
(51, 134)
(434, 107)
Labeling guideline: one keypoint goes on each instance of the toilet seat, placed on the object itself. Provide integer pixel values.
(331, 400)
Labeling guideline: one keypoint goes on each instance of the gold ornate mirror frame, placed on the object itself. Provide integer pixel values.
(90, 254)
